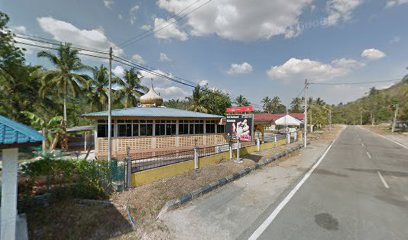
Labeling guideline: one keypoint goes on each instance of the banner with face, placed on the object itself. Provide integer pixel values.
(239, 127)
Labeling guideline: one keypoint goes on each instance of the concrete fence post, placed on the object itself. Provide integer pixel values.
(274, 138)
(288, 138)
(238, 160)
(230, 150)
(258, 144)
(195, 157)
(128, 160)
(129, 173)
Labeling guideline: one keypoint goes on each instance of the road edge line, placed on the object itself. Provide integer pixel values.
(389, 139)
(258, 232)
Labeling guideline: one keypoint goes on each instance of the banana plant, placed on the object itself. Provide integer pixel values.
(52, 129)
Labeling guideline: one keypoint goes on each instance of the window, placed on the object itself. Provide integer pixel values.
(183, 127)
(102, 128)
(165, 127)
(135, 129)
(171, 128)
(160, 128)
(199, 127)
(210, 126)
(146, 127)
(220, 128)
(124, 128)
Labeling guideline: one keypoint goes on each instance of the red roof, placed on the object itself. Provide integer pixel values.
(276, 116)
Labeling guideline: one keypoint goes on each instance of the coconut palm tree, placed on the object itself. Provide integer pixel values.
(277, 106)
(98, 84)
(296, 105)
(242, 101)
(266, 101)
(197, 101)
(130, 88)
(64, 78)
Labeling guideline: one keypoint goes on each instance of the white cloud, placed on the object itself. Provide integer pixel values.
(392, 3)
(243, 68)
(242, 20)
(118, 71)
(19, 29)
(347, 63)
(164, 58)
(132, 14)
(168, 30)
(300, 69)
(108, 3)
(67, 32)
(203, 82)
(372, 54)
(172, 92)
(147, 76)
(120, 17)
(340, 10)
(139, 59)
(146, 27)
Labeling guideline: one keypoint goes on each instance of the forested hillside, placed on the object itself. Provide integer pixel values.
(378, 106)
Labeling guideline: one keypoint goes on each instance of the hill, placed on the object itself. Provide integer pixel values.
(377, 107)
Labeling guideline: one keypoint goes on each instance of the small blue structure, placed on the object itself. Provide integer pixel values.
(12, 136)
(16, 134)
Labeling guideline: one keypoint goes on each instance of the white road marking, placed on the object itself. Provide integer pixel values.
(255, 235)
(362, 144)
(391, 140)
(383, 180)
(369, 155)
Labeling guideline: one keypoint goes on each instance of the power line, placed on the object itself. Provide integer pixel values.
(52, 48)
(130, 64)
(178, 13)
(57, 43)
(118, 59)
(150, 32)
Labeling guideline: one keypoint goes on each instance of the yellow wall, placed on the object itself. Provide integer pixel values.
(151, 175)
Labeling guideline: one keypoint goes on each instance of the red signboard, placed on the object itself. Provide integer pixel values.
(240, 109)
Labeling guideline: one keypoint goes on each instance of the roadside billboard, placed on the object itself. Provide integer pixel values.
(240, 126)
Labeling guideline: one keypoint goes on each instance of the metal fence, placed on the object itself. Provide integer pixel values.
(160, 160)
(141, 164)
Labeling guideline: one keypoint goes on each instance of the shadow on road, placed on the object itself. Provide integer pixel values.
(383, 172)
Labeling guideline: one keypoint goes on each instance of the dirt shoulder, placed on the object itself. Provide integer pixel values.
(401, 137)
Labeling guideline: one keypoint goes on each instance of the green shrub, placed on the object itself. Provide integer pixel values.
(65, 178)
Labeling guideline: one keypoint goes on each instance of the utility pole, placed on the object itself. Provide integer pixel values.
(305, 120)
(395, 118)
(330, 119)
(361, 118)
(110, 109)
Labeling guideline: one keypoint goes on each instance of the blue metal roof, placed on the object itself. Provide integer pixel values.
(12, 132)
(153, 112)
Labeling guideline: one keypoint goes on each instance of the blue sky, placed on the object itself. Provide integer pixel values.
(255, 48)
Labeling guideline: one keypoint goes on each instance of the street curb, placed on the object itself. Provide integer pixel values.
(177, 202)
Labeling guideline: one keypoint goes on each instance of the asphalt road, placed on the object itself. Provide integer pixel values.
(359, 191)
